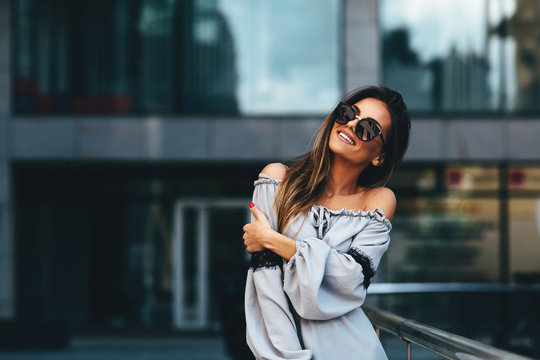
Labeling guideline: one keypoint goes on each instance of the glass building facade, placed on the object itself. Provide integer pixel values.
(463, 56)
(135, 129)
(175, 57)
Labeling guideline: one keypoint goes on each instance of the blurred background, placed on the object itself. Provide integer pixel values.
(131, 132)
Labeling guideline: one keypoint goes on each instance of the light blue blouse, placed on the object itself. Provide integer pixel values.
(337, 253)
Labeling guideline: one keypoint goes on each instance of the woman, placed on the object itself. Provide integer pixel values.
(319, 230)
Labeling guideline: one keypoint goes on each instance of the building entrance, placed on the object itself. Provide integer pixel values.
(209, 262)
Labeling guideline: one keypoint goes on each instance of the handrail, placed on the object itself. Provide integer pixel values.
(443, 343)
(434, 287)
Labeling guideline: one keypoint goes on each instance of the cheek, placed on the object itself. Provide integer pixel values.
(335, 144)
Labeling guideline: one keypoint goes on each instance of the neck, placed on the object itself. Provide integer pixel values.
(344, 176)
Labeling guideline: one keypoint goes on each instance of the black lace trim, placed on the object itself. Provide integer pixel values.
(265, 259)
(365, 262)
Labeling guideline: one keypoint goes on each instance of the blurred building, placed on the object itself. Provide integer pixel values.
(131, 132)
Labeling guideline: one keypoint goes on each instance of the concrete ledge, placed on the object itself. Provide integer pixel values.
(42, 139)
(243, 139)
(294, 137)
(120, 138)
(159, 139)
(252, 139)
(522, 137)
(425, 140)
(475, 139)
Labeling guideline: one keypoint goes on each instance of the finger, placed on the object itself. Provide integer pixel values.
(255, 210)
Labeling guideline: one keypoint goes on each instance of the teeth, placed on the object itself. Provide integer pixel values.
(346, 138)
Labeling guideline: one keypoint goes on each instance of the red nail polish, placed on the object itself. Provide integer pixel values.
(251, 205)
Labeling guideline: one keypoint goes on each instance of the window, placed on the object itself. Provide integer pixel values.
(459, 55)
(447, 225)
(175, 57)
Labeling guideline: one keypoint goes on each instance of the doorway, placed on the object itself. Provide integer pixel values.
(209, 262)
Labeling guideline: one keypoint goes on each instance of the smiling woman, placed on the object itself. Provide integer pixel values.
(319, 230)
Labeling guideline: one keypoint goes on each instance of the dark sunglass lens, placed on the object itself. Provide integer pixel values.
(344, 114)
(367, 130)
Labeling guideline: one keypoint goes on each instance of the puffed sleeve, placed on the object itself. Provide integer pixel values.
(270, 327)
(323, 283)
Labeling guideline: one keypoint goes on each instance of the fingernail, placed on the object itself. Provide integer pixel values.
(251, 205)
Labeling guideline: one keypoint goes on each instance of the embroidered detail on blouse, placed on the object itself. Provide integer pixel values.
(265, 259)
(365, 262)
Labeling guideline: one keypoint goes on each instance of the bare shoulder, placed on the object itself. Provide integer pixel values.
(275, 170)
(382, 198)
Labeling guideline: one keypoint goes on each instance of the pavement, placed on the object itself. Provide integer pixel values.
(169, 348)
(129, 348)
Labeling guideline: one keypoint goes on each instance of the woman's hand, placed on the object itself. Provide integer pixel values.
(258, 233)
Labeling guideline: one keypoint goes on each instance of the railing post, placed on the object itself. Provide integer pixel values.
(408, 350)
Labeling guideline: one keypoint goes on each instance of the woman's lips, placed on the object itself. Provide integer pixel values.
(345, 137)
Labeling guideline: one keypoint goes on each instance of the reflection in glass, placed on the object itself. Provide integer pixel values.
(524, 222)
(288, 54)
(525, 232)
(462, 55)
(175, 56)
(447, 226)
(438, 239)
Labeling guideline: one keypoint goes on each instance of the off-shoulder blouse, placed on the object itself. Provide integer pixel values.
(310, 306)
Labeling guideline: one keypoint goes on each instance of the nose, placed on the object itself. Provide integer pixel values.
(353, 122)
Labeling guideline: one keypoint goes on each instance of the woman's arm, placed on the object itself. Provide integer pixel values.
(321, 282)
(324, 283)
(259, 235)
(270, 328)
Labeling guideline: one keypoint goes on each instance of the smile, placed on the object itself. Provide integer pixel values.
(345, 138)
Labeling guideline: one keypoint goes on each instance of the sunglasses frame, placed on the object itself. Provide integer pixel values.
(356, 116)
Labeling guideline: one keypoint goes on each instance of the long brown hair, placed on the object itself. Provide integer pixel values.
(308, 177)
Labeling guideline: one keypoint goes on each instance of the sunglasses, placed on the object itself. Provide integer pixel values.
(366, 129)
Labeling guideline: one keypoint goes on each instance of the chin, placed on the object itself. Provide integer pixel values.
(340, 150)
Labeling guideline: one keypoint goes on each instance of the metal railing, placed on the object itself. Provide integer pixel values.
(443, 343)
(423, 288)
